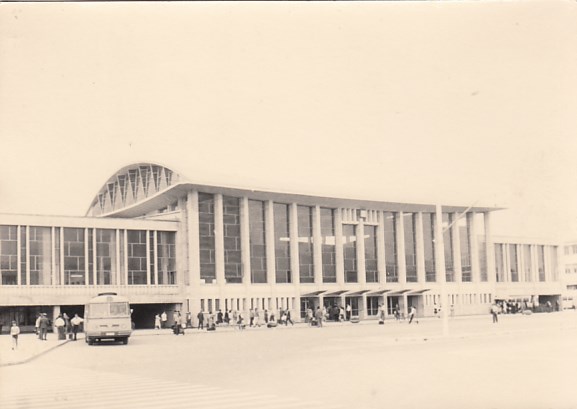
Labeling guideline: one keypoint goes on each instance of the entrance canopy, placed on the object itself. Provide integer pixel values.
(335, 293)
(314, 293)
(415, 292)
(400, 292)
(361, 292)
(378, 292)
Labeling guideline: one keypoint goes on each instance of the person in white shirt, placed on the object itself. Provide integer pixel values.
(14, 332)
(75, 321)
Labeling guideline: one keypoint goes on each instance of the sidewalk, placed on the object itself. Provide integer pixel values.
(29, 347)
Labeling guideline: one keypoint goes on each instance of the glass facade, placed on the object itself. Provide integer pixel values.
(463, 226)
(40, 255)
(74, 258)
(526, 262)
(513, 263)
(410, 247)
(282, 243)
(541, 262)
(350, 252)
(499, 263)
(166, 255)
(448, 247)
(305, 233)
(391, 248)
(105, 256)
(206, 239)
(136, 256)
(9, 254)
(328, 245)
(232, 252)
(429, 246)
(371, 268)
(23, 255)
(257, 241)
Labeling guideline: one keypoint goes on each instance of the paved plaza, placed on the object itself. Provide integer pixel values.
(524, 362)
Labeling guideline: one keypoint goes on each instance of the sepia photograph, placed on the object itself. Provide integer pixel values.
(288, 204)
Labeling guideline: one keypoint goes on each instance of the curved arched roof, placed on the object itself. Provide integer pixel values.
(132, 184)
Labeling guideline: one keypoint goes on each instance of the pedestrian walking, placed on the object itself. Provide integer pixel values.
(157, 321)
(200, 318)
(163, 319)
(37, 325)
(494, 312)
(412, 313)
(349, 312)
(43, 326)
(288, 317)
(14, 332)
(251, 315)
(67, 325)
(319, 317)
(59, 324)
(188, 320)
(76, 321)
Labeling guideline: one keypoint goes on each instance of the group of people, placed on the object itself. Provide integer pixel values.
(65, 326)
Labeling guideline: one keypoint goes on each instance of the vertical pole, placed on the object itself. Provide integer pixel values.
(440, 267)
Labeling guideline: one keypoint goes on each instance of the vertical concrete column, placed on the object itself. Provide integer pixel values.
(474, 247)
(534, 268)
(381, 262)
(18, 256)
(294, 243)
(55, 313)
(116, 278)
(547, 260)
(339, 252)
(53, 280)
(193, 239)
(155, 251)
(181, 242)
(401, 260)
(219, 239)
(27, 246)
(245, 242)
(363, 313)
(456, 236)
(94, 271)
(148, 257)
(361, 265)
(62, 282)
(420, 250)
(269, 239)
(489, 249)
(317, 245)
(125, 233)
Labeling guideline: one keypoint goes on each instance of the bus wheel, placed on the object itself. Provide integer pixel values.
(90, 341)
(125, 341)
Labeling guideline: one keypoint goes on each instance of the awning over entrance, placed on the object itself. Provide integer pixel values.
(398, 292)
(334, 293)
(415, 292)
(378, 292)
(361, 292)
(313, 294)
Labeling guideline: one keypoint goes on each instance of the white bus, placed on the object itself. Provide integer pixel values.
(107, 317)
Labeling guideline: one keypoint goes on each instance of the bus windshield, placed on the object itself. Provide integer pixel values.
(105, 310)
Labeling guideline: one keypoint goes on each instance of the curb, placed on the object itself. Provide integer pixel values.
(24, 361)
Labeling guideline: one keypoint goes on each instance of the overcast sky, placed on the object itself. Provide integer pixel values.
(452, 102)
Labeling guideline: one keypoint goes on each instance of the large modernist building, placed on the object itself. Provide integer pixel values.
(170, 244)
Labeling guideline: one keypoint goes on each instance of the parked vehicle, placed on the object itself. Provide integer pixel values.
(107, 317)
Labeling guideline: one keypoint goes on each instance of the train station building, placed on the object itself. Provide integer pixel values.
(169, 244)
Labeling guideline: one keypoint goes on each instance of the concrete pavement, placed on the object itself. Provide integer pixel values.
(29, 347)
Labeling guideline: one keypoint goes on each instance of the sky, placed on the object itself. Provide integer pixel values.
(466, 103)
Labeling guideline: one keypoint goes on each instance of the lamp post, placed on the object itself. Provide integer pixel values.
(440, 267)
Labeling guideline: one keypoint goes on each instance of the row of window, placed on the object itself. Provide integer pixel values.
(305, 216)
(85, 256)
(515, 263)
